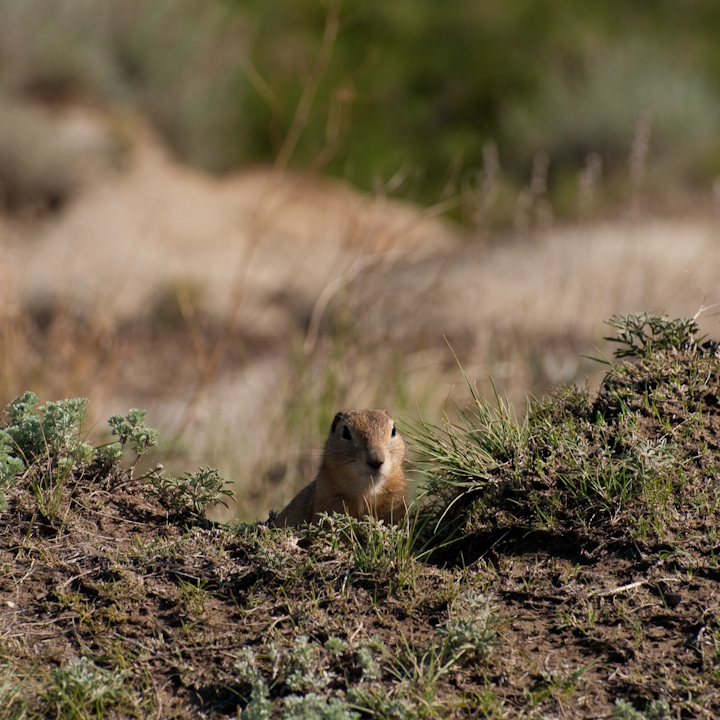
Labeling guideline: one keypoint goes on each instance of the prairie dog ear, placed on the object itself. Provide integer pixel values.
(340, 416)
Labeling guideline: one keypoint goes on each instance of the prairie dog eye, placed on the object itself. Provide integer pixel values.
(346, 433)
(393, 432)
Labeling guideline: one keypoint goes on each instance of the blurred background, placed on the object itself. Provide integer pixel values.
(243, 216)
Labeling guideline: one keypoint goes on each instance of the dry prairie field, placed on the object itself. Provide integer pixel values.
(560, 557)
(243, 311)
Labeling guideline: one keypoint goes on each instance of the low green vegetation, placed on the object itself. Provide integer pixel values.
(563, 564)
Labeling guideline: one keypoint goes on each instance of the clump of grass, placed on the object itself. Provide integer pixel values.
(193, 596)
(385, 553)
(468, 462)
(14, 704)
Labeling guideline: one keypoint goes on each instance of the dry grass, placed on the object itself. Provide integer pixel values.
(242, 312)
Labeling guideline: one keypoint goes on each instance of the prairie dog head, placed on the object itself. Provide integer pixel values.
(363, 449)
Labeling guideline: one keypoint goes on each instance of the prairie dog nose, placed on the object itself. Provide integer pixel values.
(375, 459)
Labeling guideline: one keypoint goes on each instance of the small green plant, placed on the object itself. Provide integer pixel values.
(308, 666)
(469, 635)
(131, 428)
(56, 433)
(316, 707)
(562, 682)
(466, 638)
(29, 437)
(657, 710)
(188, 495)
(259, 707)
(193, 596)
(366, 654)
(302, 667)
(310, 706)
(81, 690)
(246, 668)
(645, 333)
(48, 446)
(10, 466)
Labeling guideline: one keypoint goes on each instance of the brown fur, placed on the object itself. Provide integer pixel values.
(361, 472)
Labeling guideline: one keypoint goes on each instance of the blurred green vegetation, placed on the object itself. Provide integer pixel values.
(406, 95)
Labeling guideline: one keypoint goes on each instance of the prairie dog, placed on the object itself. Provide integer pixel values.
(361, 472)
